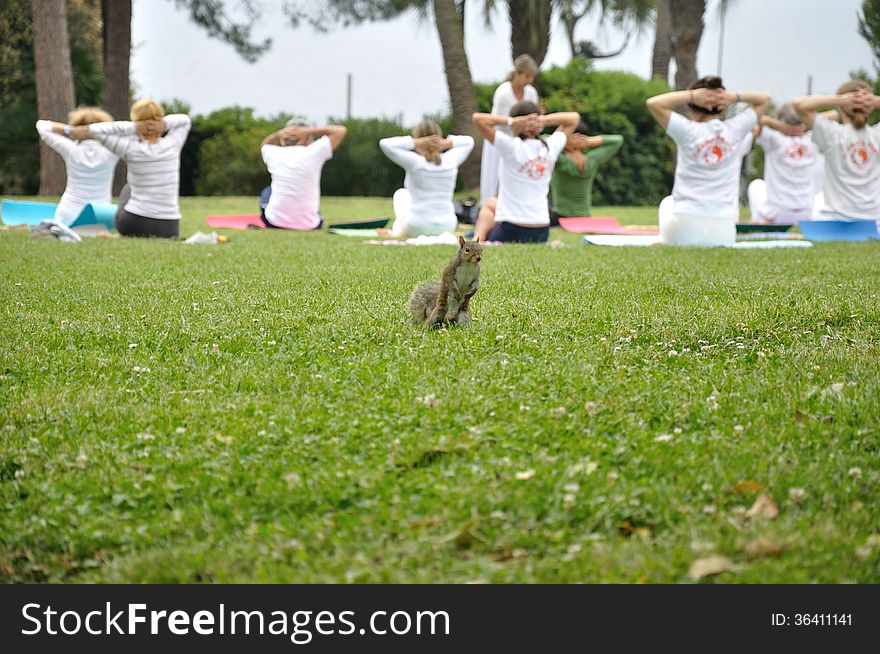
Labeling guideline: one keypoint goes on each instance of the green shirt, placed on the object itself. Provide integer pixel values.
(571, 188)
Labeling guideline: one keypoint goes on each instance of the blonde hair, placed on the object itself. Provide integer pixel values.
(523, 64)
(428, 128)
(146, 109)
(853, 85)
(88, 115)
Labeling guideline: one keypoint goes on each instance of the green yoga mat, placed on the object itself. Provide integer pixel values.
(356, 233)
(372, 223)
(745, 228)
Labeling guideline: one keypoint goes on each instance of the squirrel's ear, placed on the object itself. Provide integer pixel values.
(476, 239)
(461, 240)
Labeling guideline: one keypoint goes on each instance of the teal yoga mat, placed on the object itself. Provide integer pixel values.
(22, 212)
(96, 214)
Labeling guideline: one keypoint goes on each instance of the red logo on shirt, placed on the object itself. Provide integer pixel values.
(860, 153)
(536, 167)
(796, 151)
(713, 151)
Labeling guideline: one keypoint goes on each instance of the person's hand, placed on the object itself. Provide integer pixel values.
(864, 100)
(579, 141)
(150, 129)
(80, 133)
(711, 99)
(792, 130)
(535, 123)
(850, 101)
(428, 144)
(520, 123)
(293, 134)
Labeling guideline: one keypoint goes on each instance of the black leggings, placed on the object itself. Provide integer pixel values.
(131, 224)
(509, 233)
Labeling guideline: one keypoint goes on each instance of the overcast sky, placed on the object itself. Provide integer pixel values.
(397, 66)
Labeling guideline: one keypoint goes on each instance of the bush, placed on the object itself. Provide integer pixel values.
(231, 163)
(222, 153)
(359, 167)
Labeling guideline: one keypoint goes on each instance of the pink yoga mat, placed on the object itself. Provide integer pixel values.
(600, 225)
(241, 221)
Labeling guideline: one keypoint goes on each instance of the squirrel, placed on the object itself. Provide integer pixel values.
(449, 300)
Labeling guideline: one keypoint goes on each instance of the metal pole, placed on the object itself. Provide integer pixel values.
(348, 97)
(721, 41)
(809, 85)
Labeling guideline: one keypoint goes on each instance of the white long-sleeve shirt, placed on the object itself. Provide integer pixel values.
(153, 168)
(90, 169)
(430, 185)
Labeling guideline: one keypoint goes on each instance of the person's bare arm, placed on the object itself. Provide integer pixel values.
(487, 123)
(566, 121)
(661, 106)
(759, 101)
(274, 138)
(809, 105)
(336, 133)
(780, 126)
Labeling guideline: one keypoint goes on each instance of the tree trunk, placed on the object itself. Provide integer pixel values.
(687, 29)
(530, 22)
(54, 77)
(662, 53)
(461, 86)
(116, 16)
(570, 22)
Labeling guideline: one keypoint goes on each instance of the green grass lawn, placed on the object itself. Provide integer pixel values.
(264, 411)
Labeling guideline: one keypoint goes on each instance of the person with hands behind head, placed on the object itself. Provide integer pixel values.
(424, 205)
(520, 213)
(150, 145)
(851, 185)
(787, 192)
(89, 164)
(295, 156)
(703, 207)
(571, 186)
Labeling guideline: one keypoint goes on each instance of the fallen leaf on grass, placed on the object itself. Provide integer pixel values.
(465, 536)
(746, 487)
(764, 506)
(525, 475)
(434, 454)
(763, 547)
(507, 554)
(710, 565)
(627, 528)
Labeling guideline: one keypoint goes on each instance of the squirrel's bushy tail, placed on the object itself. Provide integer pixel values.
(423, 300)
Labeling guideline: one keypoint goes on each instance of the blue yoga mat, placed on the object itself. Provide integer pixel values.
(21, 212)
(839, 230)
(96, 214)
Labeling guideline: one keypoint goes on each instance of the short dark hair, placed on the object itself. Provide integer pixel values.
(707, 82)
(582, 129)
(524, 108)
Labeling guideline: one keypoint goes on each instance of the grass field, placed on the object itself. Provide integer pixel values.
(264, 411)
